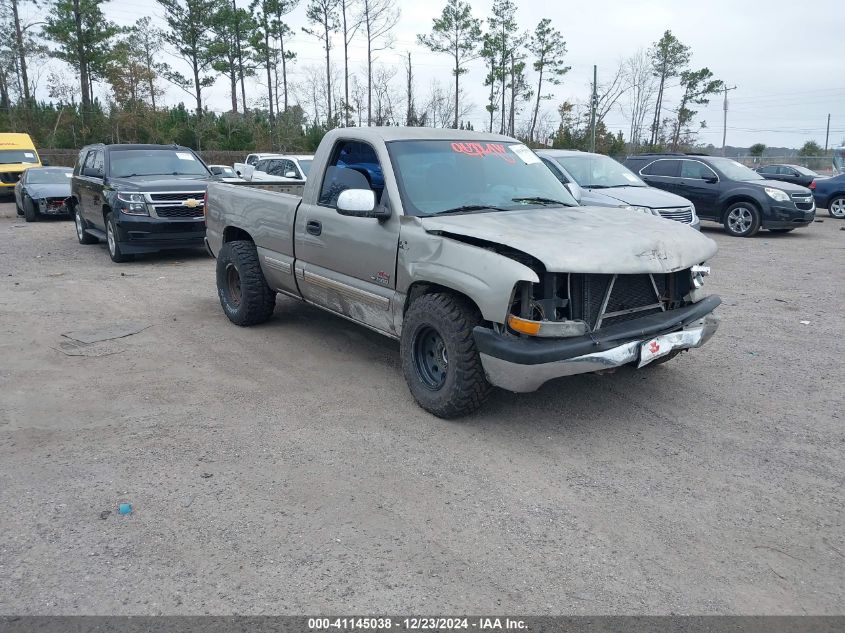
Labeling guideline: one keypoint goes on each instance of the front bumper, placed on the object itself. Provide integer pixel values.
(145, 234)
(525, 364)
(788, 217)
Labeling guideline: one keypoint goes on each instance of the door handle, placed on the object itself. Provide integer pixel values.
(314, 227)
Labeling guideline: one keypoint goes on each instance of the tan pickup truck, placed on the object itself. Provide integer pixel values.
(468, 250)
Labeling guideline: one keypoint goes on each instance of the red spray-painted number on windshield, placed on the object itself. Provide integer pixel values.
(483, 149)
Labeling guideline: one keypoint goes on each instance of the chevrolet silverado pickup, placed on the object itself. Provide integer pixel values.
(465, 248)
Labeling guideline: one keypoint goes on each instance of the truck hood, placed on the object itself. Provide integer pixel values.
(147, 184)
(637, 197)
(49, 190)
(585, 239)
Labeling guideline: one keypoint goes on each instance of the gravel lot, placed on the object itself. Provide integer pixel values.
(286, 469)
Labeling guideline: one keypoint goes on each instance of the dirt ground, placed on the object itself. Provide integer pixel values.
(286, 469)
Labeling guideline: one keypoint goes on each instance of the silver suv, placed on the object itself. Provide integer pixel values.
(597, 180)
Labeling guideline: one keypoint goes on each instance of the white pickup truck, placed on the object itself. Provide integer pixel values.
(468, 250)
(275, 167)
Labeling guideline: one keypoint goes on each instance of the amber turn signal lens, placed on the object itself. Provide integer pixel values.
(532, 328)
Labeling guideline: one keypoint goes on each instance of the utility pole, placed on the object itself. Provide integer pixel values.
(725, 118)
(593, 105)
(827, 134)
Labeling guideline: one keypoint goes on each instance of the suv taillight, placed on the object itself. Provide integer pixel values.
(813, 185)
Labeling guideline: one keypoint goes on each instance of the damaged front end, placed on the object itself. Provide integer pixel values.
(571, 323)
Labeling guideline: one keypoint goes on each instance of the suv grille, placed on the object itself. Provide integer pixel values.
(172, 205)
(679, 214)
(803, 201)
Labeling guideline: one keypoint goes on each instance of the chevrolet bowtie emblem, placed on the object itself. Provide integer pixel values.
(192, 203)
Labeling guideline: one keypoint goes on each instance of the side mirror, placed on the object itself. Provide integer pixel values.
(92, 173)
(360, 203)
(290, 174)
(575, 189)
(711, 180)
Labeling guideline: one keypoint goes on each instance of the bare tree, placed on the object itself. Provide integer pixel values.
(378, 17)
(411, 118)
(350, 23)
(358, 94)
(384, 95)
(641, 86)
(323, 13)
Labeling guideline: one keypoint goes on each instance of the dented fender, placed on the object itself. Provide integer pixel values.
(486, 277)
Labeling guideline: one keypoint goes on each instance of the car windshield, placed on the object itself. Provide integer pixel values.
(18, 156)
(127, 163)
(734, 170)
(594, 171)
(305, 165)
(472, 176)
(226, 171)
(48, 177)
(803, 170)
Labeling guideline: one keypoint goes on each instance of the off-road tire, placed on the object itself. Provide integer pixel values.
(753, 225)
(113, 244)
(29, 212)
(81, 228)
(254, 301)
(838, 203)
(465, 387)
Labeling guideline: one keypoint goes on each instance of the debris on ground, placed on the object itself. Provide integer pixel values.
(125, 508)
(107, 332)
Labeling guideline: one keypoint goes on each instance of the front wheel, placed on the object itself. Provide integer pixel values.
(836, 207)
(29, 212)
(742, 219)
(244, 294)
(440, 361)
(117, 255)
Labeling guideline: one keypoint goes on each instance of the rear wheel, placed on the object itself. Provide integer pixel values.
(81, 228)
(836, 207)
(742, 219)
(440, 361)
(244, 294)
(117, 255)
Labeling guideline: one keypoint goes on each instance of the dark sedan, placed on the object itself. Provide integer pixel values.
(790, 173)
(830, 195)
(42, 191)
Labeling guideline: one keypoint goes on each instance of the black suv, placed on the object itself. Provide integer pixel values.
(139, 198)
(725, 191)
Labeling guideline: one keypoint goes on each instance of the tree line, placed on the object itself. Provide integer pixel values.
(119, 75)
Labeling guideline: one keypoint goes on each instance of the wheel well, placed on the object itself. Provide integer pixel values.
(106, 211)
(835, 194)
(420, 288)
(736, 199)
(232, 233)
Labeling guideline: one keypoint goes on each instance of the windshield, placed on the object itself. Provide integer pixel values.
(48, 176)
(305, 165)
(126, 163)
(734, 170)
(803, 170)
(226, 171)
(18, 156)
(594, 171)
(440, 176)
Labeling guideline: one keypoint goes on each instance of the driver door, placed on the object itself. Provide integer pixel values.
(348, 264)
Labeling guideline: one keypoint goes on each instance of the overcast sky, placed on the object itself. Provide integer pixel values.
(785, 57)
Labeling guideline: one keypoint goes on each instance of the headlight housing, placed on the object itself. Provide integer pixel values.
(698, 273)
(777, 194)
(133, 203)
(646, 210)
